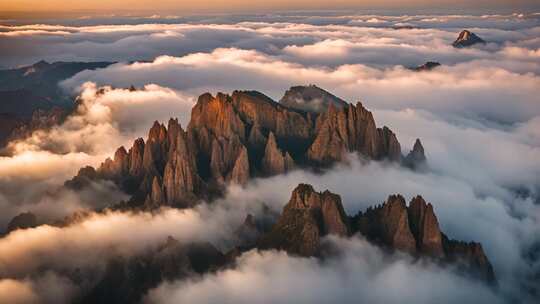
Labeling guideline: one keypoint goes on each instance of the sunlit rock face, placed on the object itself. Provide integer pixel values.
(352, 128)
(415, 229)
(310, 215)
(233, 138)
(466, 39)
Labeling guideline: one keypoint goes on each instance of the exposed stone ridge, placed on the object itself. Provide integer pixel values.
(310, 99)
(161, 171)
(310, 215)
(415, 229)
(352, 128)
(232, 138)
(416, 159)
(274, 161)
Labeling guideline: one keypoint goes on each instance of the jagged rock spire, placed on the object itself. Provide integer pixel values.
(274, 161)
(416, 159)
(308, 216)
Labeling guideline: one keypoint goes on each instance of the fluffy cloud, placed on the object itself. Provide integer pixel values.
(468, 89)
(140, 40)
(362, 273)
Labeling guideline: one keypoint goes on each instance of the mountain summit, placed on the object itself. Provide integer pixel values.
(311, 99)
(310, 215)
(466, 39)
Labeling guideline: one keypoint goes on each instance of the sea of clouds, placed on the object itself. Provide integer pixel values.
(478, 117)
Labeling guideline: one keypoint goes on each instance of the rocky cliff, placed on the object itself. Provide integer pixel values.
(232, 138)
(310, 215)
(416, 158)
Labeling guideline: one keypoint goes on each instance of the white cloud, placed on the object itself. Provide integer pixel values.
(362, 273)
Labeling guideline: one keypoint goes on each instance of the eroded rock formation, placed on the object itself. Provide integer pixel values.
(310, 215)
(232, 138)
(416, 159)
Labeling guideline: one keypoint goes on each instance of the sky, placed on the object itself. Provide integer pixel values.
(248, 5)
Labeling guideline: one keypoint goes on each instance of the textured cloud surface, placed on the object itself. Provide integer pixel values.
(105, 119)
(362, 274)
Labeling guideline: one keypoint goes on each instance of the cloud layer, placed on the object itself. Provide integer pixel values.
(362, 274)
(478, 117)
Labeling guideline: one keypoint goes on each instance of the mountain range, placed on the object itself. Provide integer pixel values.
(27, 93)
(234, 138)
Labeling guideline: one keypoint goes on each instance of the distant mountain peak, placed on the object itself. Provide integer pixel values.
(467, 38)
(428, 66)
(311, 98)
(41, 64)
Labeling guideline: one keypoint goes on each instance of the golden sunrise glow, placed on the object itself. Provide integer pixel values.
(232, 5)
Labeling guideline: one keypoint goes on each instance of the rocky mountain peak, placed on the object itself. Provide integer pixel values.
(232, 138)
(311, 99)
(24, 220)
(425, 227)
(416, 158)
(466, 39)
(41, 64)
(428, 66)
(308, 216)
(274, 160)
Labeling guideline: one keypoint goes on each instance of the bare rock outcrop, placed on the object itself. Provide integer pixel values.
(421, 236)
(308, 216)
(350, 129)
(416, 159)
(274, 161)
(388, 225)
(311, 215)
(232, 138)
(180, 179)
(425, 227)
(466, 39)
(471, 259)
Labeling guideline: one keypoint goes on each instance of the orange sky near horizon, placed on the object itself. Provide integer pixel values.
(233, 5)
